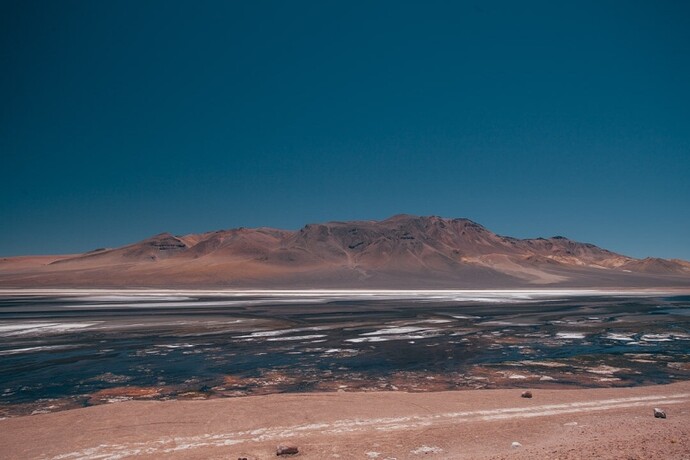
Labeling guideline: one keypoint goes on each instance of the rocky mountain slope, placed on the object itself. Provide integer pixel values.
(400, 252)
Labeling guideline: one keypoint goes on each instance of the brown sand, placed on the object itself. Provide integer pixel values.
(556, 424)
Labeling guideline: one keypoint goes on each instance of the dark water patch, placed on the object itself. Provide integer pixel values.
(54, 354)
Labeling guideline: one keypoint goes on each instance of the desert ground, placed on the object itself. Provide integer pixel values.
(475, 424)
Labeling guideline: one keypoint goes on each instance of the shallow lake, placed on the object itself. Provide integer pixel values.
(68, 349)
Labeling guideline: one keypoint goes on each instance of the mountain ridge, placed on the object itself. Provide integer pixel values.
(400, 251)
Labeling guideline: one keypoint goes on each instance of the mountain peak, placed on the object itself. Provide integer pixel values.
(402, 251)
(402, 218)
(427, 219)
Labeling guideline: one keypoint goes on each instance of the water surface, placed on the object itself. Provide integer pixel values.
(62, 350)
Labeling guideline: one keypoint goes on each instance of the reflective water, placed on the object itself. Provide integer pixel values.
(59, 351)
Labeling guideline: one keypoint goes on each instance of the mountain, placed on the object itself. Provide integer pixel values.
(402, 251)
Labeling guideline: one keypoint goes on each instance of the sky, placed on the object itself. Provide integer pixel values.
(120, 120)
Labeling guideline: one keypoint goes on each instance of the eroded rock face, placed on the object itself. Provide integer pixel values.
(658, 413)
(403, 251)
(287, 450)
(526, 394)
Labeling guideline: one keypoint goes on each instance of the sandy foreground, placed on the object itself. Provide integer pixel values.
(479, 424)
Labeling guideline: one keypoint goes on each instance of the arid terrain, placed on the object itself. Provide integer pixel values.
(344, 230)
(102, 372)
(477, 424)
(110, 374)
(400, 252)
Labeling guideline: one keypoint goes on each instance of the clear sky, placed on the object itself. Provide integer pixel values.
(119, 120)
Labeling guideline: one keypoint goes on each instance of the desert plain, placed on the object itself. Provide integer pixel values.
(611, 423)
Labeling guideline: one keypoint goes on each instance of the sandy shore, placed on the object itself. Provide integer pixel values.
(564, 424)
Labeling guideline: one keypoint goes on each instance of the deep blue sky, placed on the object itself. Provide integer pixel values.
(119, 120)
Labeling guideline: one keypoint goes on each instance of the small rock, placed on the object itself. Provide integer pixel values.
(287, 450)
(658, 413)
(515, 444)
(526, 394)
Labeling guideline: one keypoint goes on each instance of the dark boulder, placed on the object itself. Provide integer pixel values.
(287, 450)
